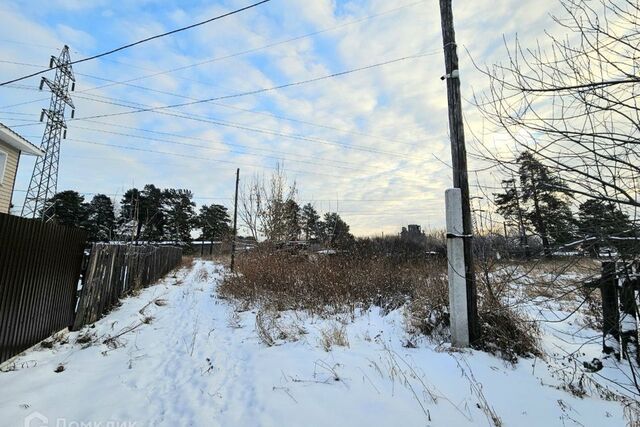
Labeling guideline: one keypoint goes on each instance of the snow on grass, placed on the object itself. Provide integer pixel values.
(177, 355)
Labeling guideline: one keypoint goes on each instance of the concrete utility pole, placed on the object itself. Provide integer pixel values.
(235, 221)
(462, 285)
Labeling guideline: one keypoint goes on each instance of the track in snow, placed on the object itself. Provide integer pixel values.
(201, 363)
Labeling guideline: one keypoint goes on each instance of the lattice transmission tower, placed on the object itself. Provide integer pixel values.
(44, 181)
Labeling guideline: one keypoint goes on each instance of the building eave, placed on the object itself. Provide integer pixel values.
(16, 141)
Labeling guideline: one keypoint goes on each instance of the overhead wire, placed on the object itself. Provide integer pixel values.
(160, 109)
(124, 147)
(125, 82)
(147, 39)
(263, 47)
(205, 119)
(207, 140)
(268, 89)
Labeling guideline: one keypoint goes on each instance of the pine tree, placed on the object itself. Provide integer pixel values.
(550, 213)
(67, 208)
(214, 222)
(605, 222)
(509, 206)
(151, 213)
(292, 219)
(129, 225)
(310, 221)
(180, 215)
(540, 202)
(335, 232)
(101, 220)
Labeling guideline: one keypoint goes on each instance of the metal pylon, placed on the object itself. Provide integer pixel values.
(44, 181)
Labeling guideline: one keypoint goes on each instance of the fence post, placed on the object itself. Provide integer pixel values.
(628, 320)
(610, 313)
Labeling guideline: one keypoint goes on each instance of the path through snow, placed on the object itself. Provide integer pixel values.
(199, 362)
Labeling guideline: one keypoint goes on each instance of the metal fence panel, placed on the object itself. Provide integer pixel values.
(39, 272)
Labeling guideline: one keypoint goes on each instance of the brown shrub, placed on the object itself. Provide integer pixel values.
(320, 284)
(506, 333)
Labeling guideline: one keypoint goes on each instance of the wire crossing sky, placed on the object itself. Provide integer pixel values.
(146, 39)
(346, 94)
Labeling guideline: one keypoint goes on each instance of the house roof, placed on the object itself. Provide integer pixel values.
(10, 137)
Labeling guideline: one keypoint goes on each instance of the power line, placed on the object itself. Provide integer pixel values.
(204, 119)
(123, 147)
(212, 149)
(223, 123)
(243, 127)
(217, 104)
(244, 52)
(157, 36)
(253, 50)
(366, 18)
(204, 140)
(268, 89)
(246, 110)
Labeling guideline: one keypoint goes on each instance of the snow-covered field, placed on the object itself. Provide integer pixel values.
(177, 355)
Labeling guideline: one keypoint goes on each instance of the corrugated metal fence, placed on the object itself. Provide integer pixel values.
(39, 271)
(116, 270)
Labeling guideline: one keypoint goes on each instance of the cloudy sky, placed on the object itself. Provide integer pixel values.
(371, 145)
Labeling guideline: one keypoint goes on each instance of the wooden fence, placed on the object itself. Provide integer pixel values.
(113, 271)
(39, 272)
(618, 286)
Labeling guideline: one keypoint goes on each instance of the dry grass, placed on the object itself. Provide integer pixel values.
(324, 284)
(336, 335)
(277, 281)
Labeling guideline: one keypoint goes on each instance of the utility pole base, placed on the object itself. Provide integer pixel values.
(458, 314)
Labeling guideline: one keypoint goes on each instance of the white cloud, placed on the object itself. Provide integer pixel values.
(400, 107)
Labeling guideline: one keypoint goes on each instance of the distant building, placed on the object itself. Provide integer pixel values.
(413, 233)
(11, 146)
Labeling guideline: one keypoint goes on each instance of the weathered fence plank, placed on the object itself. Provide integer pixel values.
(610, 313)
(39, 271)
(114, 271)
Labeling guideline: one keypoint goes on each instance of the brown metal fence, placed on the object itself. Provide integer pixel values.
(39, 272)
(114, 271)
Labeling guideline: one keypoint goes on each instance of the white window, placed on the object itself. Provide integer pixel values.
(3, 165)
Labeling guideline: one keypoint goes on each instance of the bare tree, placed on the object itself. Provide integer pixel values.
(273, 218)
(574, 102)
(251, 204)
(263, 205)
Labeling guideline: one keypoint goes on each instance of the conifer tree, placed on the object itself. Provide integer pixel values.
(180, 215)
(214, 222)
(292, 219)
(310, 221)
(541, 202)
(67, 208)
(101, 220)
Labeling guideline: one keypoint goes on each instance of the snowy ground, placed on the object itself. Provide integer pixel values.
(192, 359)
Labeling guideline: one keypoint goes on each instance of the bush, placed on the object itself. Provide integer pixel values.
(277, 279)
(335, 282)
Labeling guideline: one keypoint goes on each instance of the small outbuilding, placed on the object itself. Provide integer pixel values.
(11, 146)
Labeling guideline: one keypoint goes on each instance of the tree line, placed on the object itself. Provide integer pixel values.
(153, 214)
(567, 105)
(268, 209)
(537, 202)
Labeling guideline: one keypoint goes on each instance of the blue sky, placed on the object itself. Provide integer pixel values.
(372, 145)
